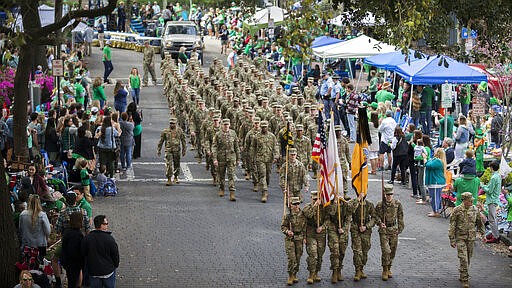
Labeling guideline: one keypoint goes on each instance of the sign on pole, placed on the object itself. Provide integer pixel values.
(446, 96)
(58, 67)
(479, 106)
(464, 33)
(271, 23)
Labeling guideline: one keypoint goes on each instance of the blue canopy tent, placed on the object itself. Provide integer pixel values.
(427, 71)
(324, 41)
(389, 61)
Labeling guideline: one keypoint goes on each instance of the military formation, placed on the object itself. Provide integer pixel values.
(239, 119)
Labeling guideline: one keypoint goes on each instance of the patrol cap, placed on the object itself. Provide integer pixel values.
(299, 127)
(200, 101)
(244, 101)
(264, 123)
(278, 106)
(229, 92)
(307, 106)
(248, 88)
(236, 99)
(250, 111)
(211, 109)
(336, 76)
(216, 118)
(256, 119)
(258, 92)
(466, 195)
(294, 96)
(388, 189)
(314, 195)
(172, 120)
(185, 81)
(286, 114)
(264, 99)
(226, 121)
(266, 81)
(217, 111)
(311, 79)
(292, 151)
(289, 119)
(295, 200)
(337, 128)
(295, 89)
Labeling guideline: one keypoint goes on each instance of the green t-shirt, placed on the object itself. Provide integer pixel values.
(79, 93)
(83, 204)
(99, 93)
(465, 95)
(449, 128)
(135, 81)
(85, 178)
(107, 54)
(383, 96)
(427, 95)
(373, 84)
(466, 183)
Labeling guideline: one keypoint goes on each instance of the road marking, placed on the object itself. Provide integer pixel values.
(407, 238)
(186, 172)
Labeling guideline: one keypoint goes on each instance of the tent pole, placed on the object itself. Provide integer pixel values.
(359, 78)
(410, 100)
(394, 79)
(349, 68)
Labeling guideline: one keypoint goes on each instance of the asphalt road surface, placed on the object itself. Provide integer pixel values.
(186, 236)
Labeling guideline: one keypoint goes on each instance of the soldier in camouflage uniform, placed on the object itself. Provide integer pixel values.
(303, 145)
(297, 176)
(209, 133)
(344, 155)
(196, 120)
(226, 154)
(361, 233)
(315, 236)
(250, 164)
(337, 235)
(465, 222)
(310, 91)
(390, 219)
(174, 139)
(264, 153)
(293, 227)
(148, 64)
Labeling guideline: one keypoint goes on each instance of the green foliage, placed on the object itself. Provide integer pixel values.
(486, 177)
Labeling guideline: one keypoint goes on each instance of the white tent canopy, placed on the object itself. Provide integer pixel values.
(341, 20)
(46, 14)
(360, 47)
(261, 16)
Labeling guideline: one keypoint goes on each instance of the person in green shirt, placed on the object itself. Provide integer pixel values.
(372, 88)
(79, 91)
(135, 84)
(427, 96)
(98, 92)
(465, 98)
(81, 201)
(449, 125)
(85, 179)
(385, 93)
(466, 183)
(107, 61)
(492, 199)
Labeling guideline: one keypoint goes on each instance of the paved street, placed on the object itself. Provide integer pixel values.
(186, 236)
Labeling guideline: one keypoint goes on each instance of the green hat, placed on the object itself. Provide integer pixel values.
(479, 133)
(374, 105)
(314, 195)
(466, 195)
(494, 101)
(388, 189)
(295, 200)
(482, 86)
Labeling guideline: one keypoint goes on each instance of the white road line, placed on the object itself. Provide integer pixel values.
(406, 238)
(186, 172)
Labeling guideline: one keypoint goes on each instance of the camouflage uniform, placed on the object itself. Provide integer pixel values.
(338, 242)
(361, 241)
(148, 65)
(297, 177)
(303, 145)
(295, 222)
(250, 165)
(315, 242)
(226, 152)
(263, 148)
(196, 121)
(464, 223)
(344, 155)
(210, 130)
(310, 92)
(392, 215)
(174, 144)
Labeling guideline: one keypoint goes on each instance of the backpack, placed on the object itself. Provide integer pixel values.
(109, 188)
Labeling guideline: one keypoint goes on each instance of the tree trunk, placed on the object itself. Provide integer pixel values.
(8, 238)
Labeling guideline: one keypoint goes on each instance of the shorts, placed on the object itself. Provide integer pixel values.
(224, 42)
(373, 155)
(384, 148)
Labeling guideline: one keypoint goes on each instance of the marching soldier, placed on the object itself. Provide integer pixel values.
(174, 139)
(250, 166)
(310, 91)
(464, 222)
(338, 228)
(196, 120)
(344, 155)
(149, 64)
(225, 154)
(315, 236)
(363, 219)
(297, 176)
(303, 145)
(294, 229)
(209, 135)
(390, 218)
(264, 153)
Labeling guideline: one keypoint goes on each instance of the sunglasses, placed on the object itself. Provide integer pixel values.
(27, 279)
(104, 223)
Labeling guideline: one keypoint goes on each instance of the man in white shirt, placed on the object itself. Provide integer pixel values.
(156, 8)
(387, 131)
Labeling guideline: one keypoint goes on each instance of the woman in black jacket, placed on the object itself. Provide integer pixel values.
(137, 130)
(51, 144)
(71, 257)
(400, 148)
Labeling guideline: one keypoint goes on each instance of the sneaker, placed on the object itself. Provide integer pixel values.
(390, 182)
(492, 240)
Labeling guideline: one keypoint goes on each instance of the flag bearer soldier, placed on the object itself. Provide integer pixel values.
(315, 236)
(363, 219)
(294, 229)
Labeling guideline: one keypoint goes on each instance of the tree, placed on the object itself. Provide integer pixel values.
(27, 43)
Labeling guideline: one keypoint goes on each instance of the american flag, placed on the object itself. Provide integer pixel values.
(319, 154)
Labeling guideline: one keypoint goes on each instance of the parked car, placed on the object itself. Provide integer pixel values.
(178, 34)
(496, 83)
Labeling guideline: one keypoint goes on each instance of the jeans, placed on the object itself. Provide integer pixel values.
(352, 126)
(343, 118)
(493, 221)
(328, 105)
(109, 282)
(426, 120)
(421, 181)
(107, 157)
(108, 69)
(414, 179)
(136, 95)
(402, 161)
(465, 109)
(126, 156)
(435, 199)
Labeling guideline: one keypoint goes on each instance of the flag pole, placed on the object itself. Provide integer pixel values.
(318, 206)
(285, 195)
(336, 186)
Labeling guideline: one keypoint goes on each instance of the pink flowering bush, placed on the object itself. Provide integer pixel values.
(6, 86)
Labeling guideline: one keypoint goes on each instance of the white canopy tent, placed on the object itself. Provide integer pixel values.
(46, 15)
(341, 20)
(359, 47)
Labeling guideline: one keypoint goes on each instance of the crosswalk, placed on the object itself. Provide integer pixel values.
(187, 173)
